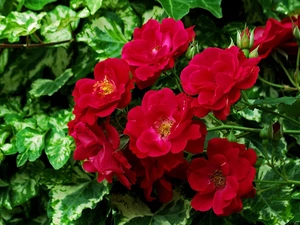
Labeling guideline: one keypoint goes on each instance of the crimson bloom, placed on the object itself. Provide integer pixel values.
(99, 150)
(216, 76)
(155, 175)
(276, 34)
(162, 124)
(223, 179)
(109, 90)
(154, 48)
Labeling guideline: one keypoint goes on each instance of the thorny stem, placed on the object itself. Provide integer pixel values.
(249, 129)
(288, 75)
(271, 111)
(33, 45)
(284, 87)
(296, 182)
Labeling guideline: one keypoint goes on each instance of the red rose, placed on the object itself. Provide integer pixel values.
(276, 34)
(99, 150)
(154, 175)
(223, 179)
(109, 90)
(154, 48)
(216, 76)
(162, 124)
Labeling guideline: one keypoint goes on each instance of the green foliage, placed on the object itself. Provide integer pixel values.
(179, 8)
(47, 45)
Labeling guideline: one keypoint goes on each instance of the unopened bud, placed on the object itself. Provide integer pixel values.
(296, 33)
(192, 50)
(272, 132)
(231, 137)
(254, 53)
(245, 39)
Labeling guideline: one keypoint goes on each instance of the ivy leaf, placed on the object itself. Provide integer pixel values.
(59, 119)
(93, 5)
(37, 4)
(84, 63)
(20, 24)
(58, 148)
(67, 202)
(104, 36)
(273, 101)
(30, 144)
(271, 206)
(179, 8)
(156, 13)
(48, 87)
(24, 184)
(59, 23)
(134, 211)
(276, 149)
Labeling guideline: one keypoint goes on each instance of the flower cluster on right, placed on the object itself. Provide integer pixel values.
(166, 134)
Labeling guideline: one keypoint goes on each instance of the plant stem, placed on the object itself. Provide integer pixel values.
(249, 129)
(226, 127)
(178, 83)
(296, 182)
(288, 75)
(296, 74)
(271, 112)
(34, 45)
(284, 87)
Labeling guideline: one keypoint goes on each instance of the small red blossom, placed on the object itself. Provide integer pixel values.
(223, 179)
(216, 76)
(155, 175)
(163, 124)
(276, 34)
(154, 48)
(109, 90)
(99, 150)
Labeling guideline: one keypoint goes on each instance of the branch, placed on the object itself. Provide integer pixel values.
(34, 45)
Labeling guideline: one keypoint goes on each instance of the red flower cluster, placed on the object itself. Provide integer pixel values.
(163, 129)
(276, 34)
(217, 76)
(223, 179)
(154, 48)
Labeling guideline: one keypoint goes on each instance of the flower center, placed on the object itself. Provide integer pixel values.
(155, 50)
(104, 87)
(218, 179)
(163, 127)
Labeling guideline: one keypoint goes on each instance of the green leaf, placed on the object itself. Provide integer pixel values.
(21, 24)
(271, 206)
(179, 8)
(274, 101)
(59, 23)
(37, 4)
(123, 9)
(93, 5)
(104, 36)
(67, 202)
(59, 119)
(29, 63)
(30, 144)
(3, 59)
(48, 87)
(84, 63)
(22, 188)
(5, 200)
(156, 13)
(270, 149)
(58, 148)
(134, 211)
